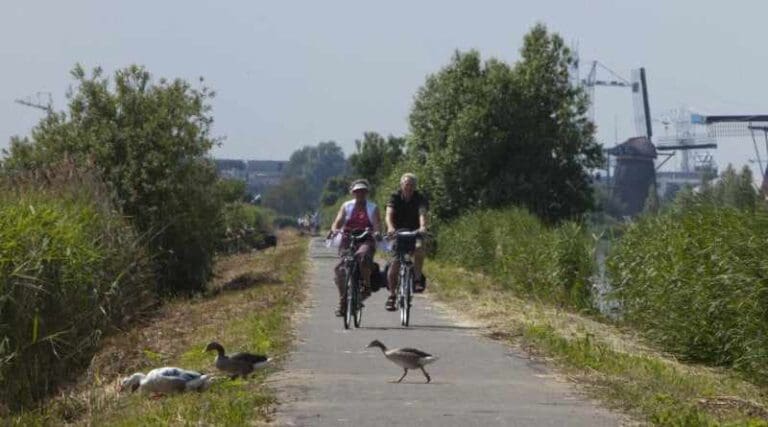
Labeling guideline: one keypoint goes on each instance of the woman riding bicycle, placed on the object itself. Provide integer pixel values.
(406, 209)
(356, 214)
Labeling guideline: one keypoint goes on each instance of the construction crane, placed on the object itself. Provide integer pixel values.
(42, 101)
(592, 80)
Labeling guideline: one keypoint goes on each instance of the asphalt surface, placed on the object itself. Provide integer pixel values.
(331, 379)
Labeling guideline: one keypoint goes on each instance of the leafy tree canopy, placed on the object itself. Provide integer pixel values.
(375, 157)
(315, 164)
(490, 134)
(150, 142)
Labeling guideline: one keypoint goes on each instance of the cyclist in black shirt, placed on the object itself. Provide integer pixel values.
(406, 209)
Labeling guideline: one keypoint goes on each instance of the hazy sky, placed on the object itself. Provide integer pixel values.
(290, 73)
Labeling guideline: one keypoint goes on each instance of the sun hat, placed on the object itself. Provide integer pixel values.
(359, 184)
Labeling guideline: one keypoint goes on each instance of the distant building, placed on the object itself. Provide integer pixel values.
(257, 174)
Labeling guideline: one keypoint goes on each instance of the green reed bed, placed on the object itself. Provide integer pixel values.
(696, 281)
(551, 264)
(70, 270)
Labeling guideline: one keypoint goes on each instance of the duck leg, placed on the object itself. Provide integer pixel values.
(404, 374)
(426, 375)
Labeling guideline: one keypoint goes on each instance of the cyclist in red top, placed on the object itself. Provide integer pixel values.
(357, 214)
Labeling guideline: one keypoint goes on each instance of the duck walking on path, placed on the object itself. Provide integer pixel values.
(238, 364)
(406, 358)
(165, 380)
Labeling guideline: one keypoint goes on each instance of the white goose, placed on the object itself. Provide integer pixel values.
(406, 358)
(166, 380)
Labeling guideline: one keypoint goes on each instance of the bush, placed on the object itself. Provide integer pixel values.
(149, 140)
(71, 270)
(549, 264)
(245, 227)
(695, 279)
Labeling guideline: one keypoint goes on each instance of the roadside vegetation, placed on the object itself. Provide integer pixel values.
(249, 307)
(71, 269)
(694, 277)
(109, 209)
(548, 264)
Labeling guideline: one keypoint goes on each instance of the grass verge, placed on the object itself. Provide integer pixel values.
(255, 316)
(616, 366)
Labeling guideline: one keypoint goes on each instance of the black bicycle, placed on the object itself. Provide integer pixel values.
(405, 243)
(353, 297)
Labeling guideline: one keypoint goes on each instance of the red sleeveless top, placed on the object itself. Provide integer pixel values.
(358, 220)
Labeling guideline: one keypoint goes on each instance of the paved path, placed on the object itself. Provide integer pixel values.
(332, 380)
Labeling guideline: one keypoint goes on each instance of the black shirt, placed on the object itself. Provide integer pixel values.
(406, 214)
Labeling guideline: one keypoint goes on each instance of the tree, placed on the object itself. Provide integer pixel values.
(150, 143)
(375, 156)
(232, 190)
(291, 196)
(491, 135)
(315, 164)
(334, 189)
(312, 166)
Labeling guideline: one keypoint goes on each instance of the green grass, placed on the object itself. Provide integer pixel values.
(256, 319)
(617, 368)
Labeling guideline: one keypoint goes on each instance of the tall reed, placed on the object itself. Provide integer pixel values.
(71, 270)
(696, 281)
(550, 264)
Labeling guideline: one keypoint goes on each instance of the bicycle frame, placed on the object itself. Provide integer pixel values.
(352, 292)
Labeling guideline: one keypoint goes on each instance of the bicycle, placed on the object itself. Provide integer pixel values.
(352, 292)
(405, 243)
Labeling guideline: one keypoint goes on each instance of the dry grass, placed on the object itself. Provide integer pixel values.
(615, 364)
(256, 318)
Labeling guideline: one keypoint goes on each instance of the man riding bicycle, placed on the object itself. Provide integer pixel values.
(356, 214)
(406, 210)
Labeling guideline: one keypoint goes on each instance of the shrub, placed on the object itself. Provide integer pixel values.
(245, 227)
(149, 140)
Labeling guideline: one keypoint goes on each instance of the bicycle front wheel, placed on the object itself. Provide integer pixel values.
(348, 300)
(358, 304)
(404, 301)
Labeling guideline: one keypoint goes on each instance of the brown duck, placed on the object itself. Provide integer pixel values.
(238, 364)
(406, 358)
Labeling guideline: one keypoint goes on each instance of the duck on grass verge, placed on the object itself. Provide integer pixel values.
(406, 358)
(164, 380)
(238, 364)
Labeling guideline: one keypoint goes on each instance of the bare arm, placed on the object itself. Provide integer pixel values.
(423, 219)
(390, 219)
(376, 220)
(339, 221)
